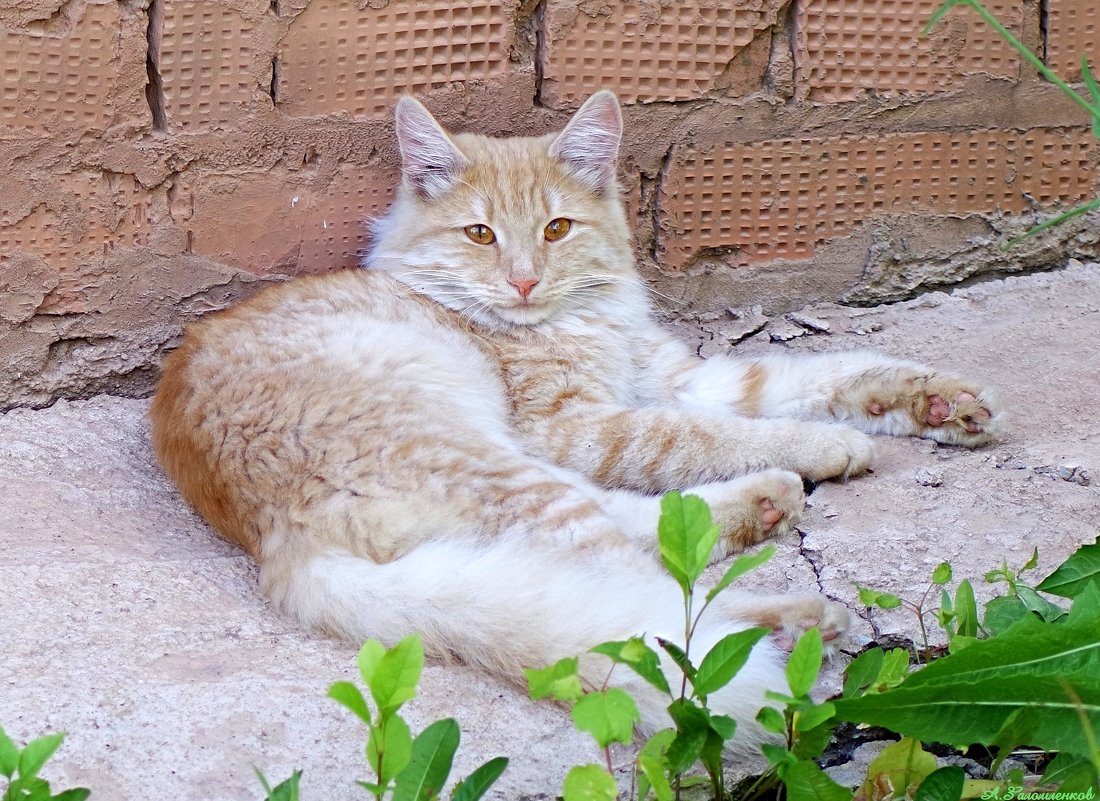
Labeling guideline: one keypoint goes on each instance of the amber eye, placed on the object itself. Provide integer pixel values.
(482, 234)
(556, 229)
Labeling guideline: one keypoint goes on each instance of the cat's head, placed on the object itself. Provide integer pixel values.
(511, 231)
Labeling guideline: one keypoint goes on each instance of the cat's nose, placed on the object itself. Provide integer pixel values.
(523, 285)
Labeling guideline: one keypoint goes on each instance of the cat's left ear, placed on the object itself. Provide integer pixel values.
(589, 145)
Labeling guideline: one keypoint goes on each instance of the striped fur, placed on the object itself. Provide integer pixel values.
(421, 446)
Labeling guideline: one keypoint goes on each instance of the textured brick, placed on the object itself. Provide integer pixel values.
(83, 216)
(1073, 30)
(645, 51)
(209, 65)
(360, 60)
(276, 222)
(847, 48)
(338, 232)
(778, 200)
(68, 77)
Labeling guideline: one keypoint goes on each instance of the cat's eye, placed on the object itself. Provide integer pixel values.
(482, 234)
(556, 229)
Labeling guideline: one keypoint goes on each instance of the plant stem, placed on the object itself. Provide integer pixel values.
(1032, 59)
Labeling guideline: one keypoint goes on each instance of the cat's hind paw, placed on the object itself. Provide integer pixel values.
(790, 616)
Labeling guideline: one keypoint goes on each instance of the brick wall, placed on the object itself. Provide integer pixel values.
(161, 158)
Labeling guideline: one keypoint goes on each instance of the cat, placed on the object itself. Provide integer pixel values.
(468, 437)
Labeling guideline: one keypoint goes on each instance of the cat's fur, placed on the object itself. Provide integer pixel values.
(467, 440)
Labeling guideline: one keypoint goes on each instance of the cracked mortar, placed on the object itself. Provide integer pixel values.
(172, 676)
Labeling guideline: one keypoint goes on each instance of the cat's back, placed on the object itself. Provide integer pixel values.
(261, 396)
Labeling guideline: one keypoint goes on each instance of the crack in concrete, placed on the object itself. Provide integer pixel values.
(816, 566)
(154, 89)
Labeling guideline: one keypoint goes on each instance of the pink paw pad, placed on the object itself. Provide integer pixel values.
(769, 515)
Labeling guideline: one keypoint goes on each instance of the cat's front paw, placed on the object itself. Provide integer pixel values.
(833, 451)
(956, 412)
(750, 508)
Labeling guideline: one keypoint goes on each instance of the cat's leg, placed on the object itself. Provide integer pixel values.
(875, 393)
(788, 615)
(502, 605)
(746, 509)
(654, 449)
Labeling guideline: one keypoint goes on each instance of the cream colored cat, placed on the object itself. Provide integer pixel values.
(467, 438)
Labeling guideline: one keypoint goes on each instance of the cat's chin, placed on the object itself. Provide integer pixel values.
(530, 314)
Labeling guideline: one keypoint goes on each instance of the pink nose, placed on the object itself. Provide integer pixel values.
(523, 285)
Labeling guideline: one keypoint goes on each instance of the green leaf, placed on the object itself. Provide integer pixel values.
(686, 536)
(685, 749)
(639, 657)
(1086, 604)
(942, 574)
(805, 662)
(396, 675)
(805, 781)
(883, 600)
(1094, 90)
(36, 753)
(1031, 563)
(895, 667)
(771, 719)
(389, 755)
(968, 696)
(813, 716)
(655, 778)
(1039, 605)
(9, 754)
(589, 783)
(901, 765)
(286, 790)
(1015, 731)
(559, 681)
(938, 14)
(1081, 569)
(741, 565)
(429, 766)
(80, 793)
(348, 695)
(1065, 216)
(1071, 774)
(862, 672)
(679, 657)
(368, 658)
(966, 610)
(725, 659)
(609, 716)
(811, 744)
(1002, 611)
(474, 786)
(945, 784)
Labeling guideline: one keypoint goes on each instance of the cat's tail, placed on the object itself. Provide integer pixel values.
(503, 606)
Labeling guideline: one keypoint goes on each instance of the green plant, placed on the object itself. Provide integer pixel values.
(405, 768)
(686, 537)
(20, 767)
(1091, 105)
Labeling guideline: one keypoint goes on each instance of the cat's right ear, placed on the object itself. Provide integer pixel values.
(430, 161)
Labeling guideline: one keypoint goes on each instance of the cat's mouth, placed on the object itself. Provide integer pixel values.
(523, 313)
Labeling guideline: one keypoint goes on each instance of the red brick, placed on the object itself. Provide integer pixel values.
(74, 76)
(1073, 30)
(212, 63)
(645, 51)
(780, 199)
(847, 48)
(281, 222)
(357, 59)
(81, 217)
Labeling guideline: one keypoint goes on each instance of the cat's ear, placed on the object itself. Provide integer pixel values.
(589, 145)
(430, 161)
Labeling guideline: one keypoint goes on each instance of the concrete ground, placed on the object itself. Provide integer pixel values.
(127, 623)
